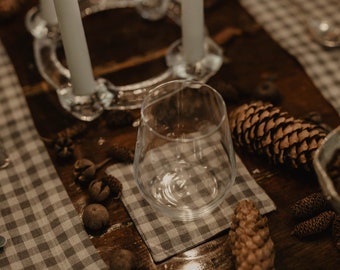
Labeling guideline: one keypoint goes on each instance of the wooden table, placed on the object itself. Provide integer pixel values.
(126, 49)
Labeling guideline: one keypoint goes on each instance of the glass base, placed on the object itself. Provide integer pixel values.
(201, 70)
(38, 27)
(89, 107)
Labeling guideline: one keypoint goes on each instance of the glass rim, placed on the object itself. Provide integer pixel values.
(185, 83)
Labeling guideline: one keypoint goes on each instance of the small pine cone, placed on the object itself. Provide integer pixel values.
(309, 206)
(336, 231)
(64, 147)
(266, 130)
(314, 225)
(121, 154)
(115, 186)
(251, 244)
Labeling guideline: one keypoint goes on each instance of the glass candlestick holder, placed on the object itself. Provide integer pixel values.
(203, 69)
(111, 96)
(86, 107)
(118, 97)
(152, 9)
(38, 27)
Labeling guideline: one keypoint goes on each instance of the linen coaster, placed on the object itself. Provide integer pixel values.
(165, 237)
(285, 21)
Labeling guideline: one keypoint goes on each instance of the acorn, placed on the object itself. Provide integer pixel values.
(95, 217)
(84, 170)
(99, 190)
(122, 259)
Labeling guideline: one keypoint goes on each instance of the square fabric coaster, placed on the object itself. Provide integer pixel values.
(166, 237)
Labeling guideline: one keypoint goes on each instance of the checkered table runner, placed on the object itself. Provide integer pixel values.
(166, 237)
(43, 228)
(285, 21)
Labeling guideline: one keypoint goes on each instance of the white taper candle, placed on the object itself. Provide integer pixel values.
(75, 46)
(47, 11)
(192, 19)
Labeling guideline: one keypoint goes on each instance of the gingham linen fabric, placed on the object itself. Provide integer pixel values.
(166, 237)
(285, 21)
(43, 229)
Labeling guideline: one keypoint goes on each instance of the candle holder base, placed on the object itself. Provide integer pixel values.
(88, 107)
(201, 70)
(38, 27)
(152, 10)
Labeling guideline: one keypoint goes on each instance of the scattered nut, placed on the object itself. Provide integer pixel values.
(84, 171)
(122, 259)
(95, 217)
(99, 190)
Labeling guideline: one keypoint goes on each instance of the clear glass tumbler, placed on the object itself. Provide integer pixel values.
(184, 161)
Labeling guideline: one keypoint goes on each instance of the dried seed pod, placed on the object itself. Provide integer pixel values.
(119, 118)
(122, 259)
(251, 244)
(84, 171)
(99, 190)
(309, 206)
(336, 231)
(64, 147)
(63, 142)
(314, 225)
(115, 185)
(121, 154)
(95, 217)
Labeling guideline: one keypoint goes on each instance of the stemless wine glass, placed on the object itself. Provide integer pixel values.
(184, 161)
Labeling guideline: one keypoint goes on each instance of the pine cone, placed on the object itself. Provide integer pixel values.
(336, 231)
(265, 129)
(251, 244)
(121, 154)
(309, 206)
(314, 225)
